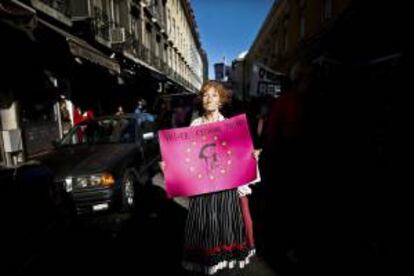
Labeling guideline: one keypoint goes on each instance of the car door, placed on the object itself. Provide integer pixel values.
(149, 144)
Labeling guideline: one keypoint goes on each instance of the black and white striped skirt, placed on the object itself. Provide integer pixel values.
(215, 233)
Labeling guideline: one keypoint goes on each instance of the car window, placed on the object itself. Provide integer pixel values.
(119, 130)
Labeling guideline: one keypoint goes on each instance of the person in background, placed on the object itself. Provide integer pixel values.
(120, 111)
(141, 113)
(163, 120)
(64, 116)
(77, 115)
(179, 115)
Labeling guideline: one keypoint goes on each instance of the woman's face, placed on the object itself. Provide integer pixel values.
(211, 100)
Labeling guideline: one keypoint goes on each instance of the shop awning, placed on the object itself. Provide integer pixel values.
(80, 48)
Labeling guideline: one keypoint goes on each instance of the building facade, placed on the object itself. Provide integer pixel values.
(97, 54)
(185, 55)
(291, 34)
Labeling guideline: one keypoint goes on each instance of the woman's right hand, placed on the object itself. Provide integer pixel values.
(162, 166)
(256, 154)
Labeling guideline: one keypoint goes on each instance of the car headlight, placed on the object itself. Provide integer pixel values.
(104, 179)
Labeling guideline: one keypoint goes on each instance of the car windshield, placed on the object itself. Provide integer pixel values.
(114, 130)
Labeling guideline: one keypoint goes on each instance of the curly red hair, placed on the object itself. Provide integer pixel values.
(222, 91)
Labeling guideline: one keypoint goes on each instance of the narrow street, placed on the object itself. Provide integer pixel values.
(149, 239)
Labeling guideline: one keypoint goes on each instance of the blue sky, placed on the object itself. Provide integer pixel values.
(228, 27)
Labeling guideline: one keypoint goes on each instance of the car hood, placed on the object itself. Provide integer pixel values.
(86, 159)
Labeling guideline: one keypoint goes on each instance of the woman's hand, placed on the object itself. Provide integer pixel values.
(256, 154)
(162, 166)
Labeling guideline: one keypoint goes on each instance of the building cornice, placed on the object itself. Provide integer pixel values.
(189, 14)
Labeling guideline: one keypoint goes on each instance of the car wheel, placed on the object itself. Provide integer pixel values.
(128, 190)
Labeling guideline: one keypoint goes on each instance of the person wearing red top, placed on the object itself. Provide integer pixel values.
(77, 116)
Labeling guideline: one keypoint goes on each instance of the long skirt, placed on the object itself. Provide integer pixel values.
(215, 236)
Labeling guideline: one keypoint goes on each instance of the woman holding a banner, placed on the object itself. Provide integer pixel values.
(218, 231)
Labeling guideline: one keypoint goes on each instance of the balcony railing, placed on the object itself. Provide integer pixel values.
(148, 56)
(155, 61)
(58, 9)
(156, 11)
(143, 53)
(164, 67)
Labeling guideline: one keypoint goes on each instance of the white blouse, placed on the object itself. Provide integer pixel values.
(241, 190)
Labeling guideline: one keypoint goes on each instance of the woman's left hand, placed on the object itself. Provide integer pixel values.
(256, 154)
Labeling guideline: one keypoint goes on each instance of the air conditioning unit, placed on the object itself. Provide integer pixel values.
(80, 10)
(12, 140)
(118, 35)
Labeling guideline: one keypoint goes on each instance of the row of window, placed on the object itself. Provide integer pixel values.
(105, 10)
(281, 30)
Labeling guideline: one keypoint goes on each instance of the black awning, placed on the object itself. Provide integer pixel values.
(82, 49)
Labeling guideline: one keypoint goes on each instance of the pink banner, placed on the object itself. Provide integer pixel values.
(207, 158)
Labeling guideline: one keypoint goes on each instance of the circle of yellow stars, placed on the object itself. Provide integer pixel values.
(226, 161)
